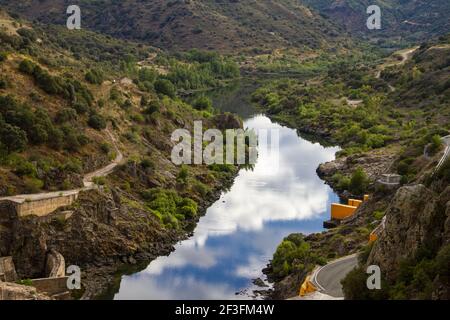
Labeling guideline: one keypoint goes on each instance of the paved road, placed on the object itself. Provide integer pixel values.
(327, 279)
(446, 141)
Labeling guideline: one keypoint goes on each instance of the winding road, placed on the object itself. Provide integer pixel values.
(327, 279)
(88, 180)
(446, 142)
(406, 54)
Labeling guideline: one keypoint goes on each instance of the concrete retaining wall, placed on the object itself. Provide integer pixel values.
(55, 266)
(7, 270)
(50, 286)
(41, 207)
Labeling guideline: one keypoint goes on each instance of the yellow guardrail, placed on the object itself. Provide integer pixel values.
(307, 287)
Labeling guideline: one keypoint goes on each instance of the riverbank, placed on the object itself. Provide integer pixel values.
(102, 281)
(386, 133)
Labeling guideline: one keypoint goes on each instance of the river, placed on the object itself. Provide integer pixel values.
(238, 235)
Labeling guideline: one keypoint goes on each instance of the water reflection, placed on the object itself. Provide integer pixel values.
(240, 232)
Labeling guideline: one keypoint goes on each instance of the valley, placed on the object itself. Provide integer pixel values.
(87, 141)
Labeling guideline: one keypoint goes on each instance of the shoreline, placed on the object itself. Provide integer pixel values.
(104, 281)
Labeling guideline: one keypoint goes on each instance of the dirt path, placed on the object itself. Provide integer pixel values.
(87, 180)
(406, 54)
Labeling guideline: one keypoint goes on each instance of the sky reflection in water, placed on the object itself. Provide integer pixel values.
(240, 232)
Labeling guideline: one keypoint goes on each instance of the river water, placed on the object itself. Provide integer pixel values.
(238, 235)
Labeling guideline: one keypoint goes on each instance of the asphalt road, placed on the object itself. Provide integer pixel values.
(328, 278)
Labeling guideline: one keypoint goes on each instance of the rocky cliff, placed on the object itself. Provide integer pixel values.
(417, 229)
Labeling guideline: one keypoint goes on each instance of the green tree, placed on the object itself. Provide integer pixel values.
(203, 103)
(97, 122)
(27, 67)
(165, 87)
(359, 182)
(13, 138)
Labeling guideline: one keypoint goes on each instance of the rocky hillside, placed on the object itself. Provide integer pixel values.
(226, 25)
(62, 96)
(387, 122)
(401, 20)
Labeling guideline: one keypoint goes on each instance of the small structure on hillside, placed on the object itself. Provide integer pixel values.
(7, 270)
(54, 285)
(340, 212)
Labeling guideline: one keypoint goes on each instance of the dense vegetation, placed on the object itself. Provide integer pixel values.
(360, 112)
(210, 25)
(414, 281)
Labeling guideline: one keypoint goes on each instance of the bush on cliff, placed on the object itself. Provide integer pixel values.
(165, 87)
(169, 207)
(294, 254)
(359, 182)
(354, 286)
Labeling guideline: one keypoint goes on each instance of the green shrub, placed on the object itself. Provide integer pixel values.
(359, 182)
(201, 188)
(3, 83)
(25, 168)
(293, 254)
(153, 107)
(378, 215)
(33, 185)
(147, 75)
(436, 144)
(165, 87)
(203, 103)
(96, 121)
(147, 164)
(66, 115)
(27, 66)
(12, 138)
(183, 175)
(81, 107)
(100, 181)
(73, 165)
(94, 76)
(105, 148)
(115, 94)
(3, 56)
(168, 205)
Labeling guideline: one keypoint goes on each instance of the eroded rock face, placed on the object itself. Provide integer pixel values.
(102, 231)
(227, 121)
(374, 164)
(12, 291)
(415, 215)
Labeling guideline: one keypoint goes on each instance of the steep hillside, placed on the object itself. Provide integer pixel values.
(412, 21)
(69, 102)
(388, 122)
(207, 24)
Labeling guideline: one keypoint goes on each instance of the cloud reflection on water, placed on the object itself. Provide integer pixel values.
(239, 233)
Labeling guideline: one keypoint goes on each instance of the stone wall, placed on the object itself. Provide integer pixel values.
(55, 266)
(50, 286)
(13, 291)
(7, 270)
(40, 207)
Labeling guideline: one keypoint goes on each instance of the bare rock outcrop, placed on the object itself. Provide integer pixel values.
(416, 216)
(374, 164)
(12, 291)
